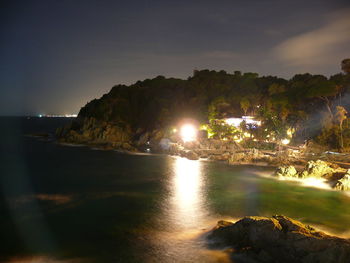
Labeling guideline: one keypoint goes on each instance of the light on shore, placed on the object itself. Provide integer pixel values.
(188, 133)
(285, 141)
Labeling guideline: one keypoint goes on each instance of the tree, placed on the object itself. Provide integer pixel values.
(320, 87)
(218, 108)
(276, 88)
(345, 65)
(245, 104)
(340, 116)
(221, 130)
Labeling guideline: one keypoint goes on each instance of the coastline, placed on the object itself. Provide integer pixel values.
(311, 172)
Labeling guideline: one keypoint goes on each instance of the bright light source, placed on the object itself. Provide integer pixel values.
(290, 132)
(188, 133)
(174, 130)
(285, 141)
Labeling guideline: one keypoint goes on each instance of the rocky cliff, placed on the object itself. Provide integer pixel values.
(93, 132)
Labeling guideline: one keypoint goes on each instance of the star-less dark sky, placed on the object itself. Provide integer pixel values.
(57, 55)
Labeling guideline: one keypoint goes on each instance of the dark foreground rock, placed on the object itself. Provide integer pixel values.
(278, 239)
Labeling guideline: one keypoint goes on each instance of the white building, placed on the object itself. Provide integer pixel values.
(236, 122)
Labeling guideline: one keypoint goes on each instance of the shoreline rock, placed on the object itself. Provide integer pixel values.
(89, 131)
(279, 239)
(336, 177)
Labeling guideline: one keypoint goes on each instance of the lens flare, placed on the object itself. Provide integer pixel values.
(188, 133)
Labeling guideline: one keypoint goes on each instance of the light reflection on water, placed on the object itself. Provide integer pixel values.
(187, 215)
(187, 198)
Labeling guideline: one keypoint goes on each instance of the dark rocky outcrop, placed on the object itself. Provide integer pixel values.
(278, 239)
(93, 132)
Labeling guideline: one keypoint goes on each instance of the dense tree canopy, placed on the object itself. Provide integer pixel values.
(161, 102)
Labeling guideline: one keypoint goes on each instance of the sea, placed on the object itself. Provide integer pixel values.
(73, 203)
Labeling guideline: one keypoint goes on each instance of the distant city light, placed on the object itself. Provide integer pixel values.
(58, 115)
(188, 133)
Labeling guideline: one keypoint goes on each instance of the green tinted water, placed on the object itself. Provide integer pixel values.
(64, 203)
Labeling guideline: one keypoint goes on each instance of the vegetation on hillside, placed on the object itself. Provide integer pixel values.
(313, 106)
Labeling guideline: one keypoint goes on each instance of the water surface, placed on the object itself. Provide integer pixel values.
(75, 204)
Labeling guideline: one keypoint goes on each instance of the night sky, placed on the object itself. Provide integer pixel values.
(57, 55)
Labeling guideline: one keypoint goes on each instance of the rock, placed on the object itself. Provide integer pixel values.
(315, 169)
(126, 146)
(191, 155)
(319, 169)
(143, 139)
(336, 176)
(287, 171)
(343, 183)
(165, 144)
(237, 158)
(221, 156)
(93, 132)
(279, 239)
(174, 149)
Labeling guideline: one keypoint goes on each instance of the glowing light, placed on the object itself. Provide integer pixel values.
(210, 134)
(203, 127)
(290, 132)
(188, 133)
(309, 182)
(285, 141)
(316, 182)
(238, 140)
(174, 130)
